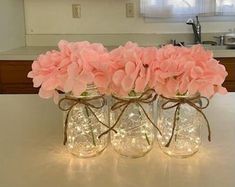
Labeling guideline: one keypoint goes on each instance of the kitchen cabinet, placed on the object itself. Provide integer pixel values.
(229, 63)
(13, 76)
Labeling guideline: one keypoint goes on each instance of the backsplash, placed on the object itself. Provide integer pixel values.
(102, 21)
(12, 29)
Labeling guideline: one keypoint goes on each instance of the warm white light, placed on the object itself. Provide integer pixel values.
(83, 129)
(135, 134)
(186, 137)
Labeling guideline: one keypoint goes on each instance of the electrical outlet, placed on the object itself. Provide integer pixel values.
(130, 10)
(76, 10)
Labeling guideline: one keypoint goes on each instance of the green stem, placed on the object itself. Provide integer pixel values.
(177, 123)
(90, 126)
(146, 137)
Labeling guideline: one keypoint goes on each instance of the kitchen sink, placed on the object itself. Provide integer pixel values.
(213, 47)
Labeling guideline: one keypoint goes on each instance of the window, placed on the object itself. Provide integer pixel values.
(225, 7)
(185, 8)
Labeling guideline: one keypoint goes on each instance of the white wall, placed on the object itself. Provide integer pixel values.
(12, 26)
(99, 17)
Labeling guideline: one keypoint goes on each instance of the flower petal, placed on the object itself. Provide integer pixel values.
(51, 83)
(139, 84)
(46, 94)
(118, 76)
(127, 83)
(68, 86)
(129, 68)
(78, 88)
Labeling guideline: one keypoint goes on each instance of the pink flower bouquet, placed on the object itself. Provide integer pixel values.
(131, 68)
(71, 69)
(170, 70)
(181, 70)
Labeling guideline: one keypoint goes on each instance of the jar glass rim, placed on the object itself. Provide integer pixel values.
(90, 88)
(186, 96)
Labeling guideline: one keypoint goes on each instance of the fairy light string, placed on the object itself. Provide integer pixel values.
(146, 97)
(177, 102)
(71, 102)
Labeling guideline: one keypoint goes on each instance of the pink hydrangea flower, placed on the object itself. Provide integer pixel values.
(90, 64)
(169, 70)
(71, 69)
(50, 71)
(131, 68)
(181, 70)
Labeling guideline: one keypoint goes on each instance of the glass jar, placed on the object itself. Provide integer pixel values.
(135, 135)
(184, 138)
(84, 123)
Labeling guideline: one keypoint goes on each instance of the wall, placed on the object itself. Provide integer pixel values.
(12, 26)
(102, 20)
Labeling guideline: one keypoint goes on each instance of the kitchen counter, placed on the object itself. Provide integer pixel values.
(31, 53)
(224, 53)
(32, 154)
(24, 53)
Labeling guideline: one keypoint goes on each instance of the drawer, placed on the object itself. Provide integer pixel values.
(15, 72)
(229, 64)
(18, 88)
(230, 85)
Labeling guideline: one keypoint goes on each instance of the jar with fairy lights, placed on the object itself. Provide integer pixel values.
(179, 120)
(86, 118)
(131, 117)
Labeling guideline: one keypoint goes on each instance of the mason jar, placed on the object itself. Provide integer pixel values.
(86, 120)
(180, 125)
(135, 135)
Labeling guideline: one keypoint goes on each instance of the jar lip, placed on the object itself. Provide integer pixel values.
(186, 96)
(91, 86)
(127, 96)
(81, 96)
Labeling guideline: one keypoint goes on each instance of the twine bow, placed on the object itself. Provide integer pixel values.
(190, 101)
(86, 103)
(146, 97)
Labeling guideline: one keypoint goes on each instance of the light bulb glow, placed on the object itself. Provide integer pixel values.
(83, 129)
(135, 136)
(186, 138)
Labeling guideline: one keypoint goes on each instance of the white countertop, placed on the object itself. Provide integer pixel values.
(32, 154)
(223, 53)
(25, 53)
(31, 52)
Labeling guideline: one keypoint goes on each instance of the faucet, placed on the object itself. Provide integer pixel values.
(196, 29)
